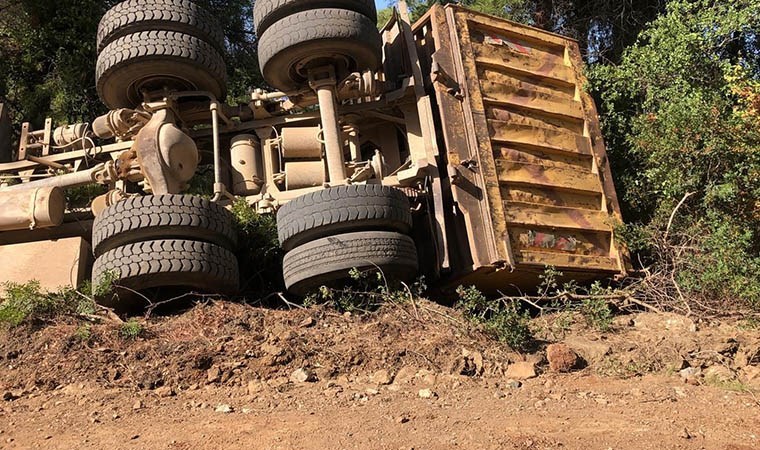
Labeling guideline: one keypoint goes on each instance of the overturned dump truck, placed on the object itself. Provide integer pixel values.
(461, 147)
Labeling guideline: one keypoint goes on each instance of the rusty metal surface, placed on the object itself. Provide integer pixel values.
(527, 163)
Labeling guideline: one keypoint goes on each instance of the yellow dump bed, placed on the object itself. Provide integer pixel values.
(529, 178)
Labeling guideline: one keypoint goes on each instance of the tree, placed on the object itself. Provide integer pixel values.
(680, 116)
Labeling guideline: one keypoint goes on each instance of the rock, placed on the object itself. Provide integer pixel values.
(272, 350)
(8, 396)
(254, 387)
(402, 419)
(746, 355)
(751, 375)
(664, 321)
(405, 375)
(685, 434)
(622, 322)
(214, 374)
(561, 357)
(690, 374)
(303, 375)
(499, 395)
(371, 391)
(719, 373)
(224, 409)
(138, 405)
(381, 377)
(307, 322)
(514, 384)
(591, 351)
(726, 347)
(521, 370)
(427, 393)
(475, 358)
(164, 391)
(426, 377)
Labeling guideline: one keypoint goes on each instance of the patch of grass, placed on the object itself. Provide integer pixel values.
(25, 302)
(83, 332)
(131, 329)
(503, 319)
(728, 385)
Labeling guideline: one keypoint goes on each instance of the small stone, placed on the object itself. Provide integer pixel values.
(164, 391)
(381, 377)
(561, 357)
(402, 419)
(272, 350)
(514, 384)
(137, 405)
(427, 377)
(591, 351)
(8, 396)
(719, 373)
(307, 322)
(371, 391)
(405, 375)
(690, 374)
(602, 401)
(254, 387)
(303, 375)
(214, 374)
(521, 370)
(427, 393)
(499, 394)
(685, 434)
(224, 409)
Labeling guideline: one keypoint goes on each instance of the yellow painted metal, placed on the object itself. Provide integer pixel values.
(539, 168)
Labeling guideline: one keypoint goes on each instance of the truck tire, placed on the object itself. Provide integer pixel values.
(133, 16)
(347, 40)
(155, 60)
(148, 217)
(168, 263)
(328, 260)
(267, 12)
(357, 207)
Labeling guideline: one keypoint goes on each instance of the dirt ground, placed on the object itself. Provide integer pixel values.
(226, 375)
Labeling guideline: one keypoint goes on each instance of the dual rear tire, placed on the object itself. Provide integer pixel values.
(329, 232)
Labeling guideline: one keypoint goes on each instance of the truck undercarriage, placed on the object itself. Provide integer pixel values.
(461, 147)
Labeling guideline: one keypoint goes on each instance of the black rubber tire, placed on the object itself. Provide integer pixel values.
(149, 217)
(133, 16)
(356, 207)
(168, 263)
(345, 39)
(154, 60)
(267, 12)
(328, 260)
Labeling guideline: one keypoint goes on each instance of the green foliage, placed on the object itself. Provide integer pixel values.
(596, 310)
(132, 329)
(365, 291)
(82, 196)
(680, 115)
(259, 252)
(28, 302)
(83, 332)
(503, 319)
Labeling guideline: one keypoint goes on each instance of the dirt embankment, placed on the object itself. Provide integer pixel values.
(228, 375)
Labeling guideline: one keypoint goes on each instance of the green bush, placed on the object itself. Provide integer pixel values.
(680, 115)
(259, 254)
(131, 329)
(503, 319)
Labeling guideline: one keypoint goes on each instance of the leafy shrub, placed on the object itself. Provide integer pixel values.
(259, 254)
(131, 329)
(366, 290)
(680, 115)
(503, 319)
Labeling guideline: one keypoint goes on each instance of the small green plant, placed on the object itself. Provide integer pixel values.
(131, 329)
(259, 254)
(28, 302)
(595, 308)
(366, 290)
(503, 319)
(83, 332)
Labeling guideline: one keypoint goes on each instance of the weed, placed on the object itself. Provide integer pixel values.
(84, 332)
(28, 302)
(131, 329)
(365, 290)
(503, 319)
